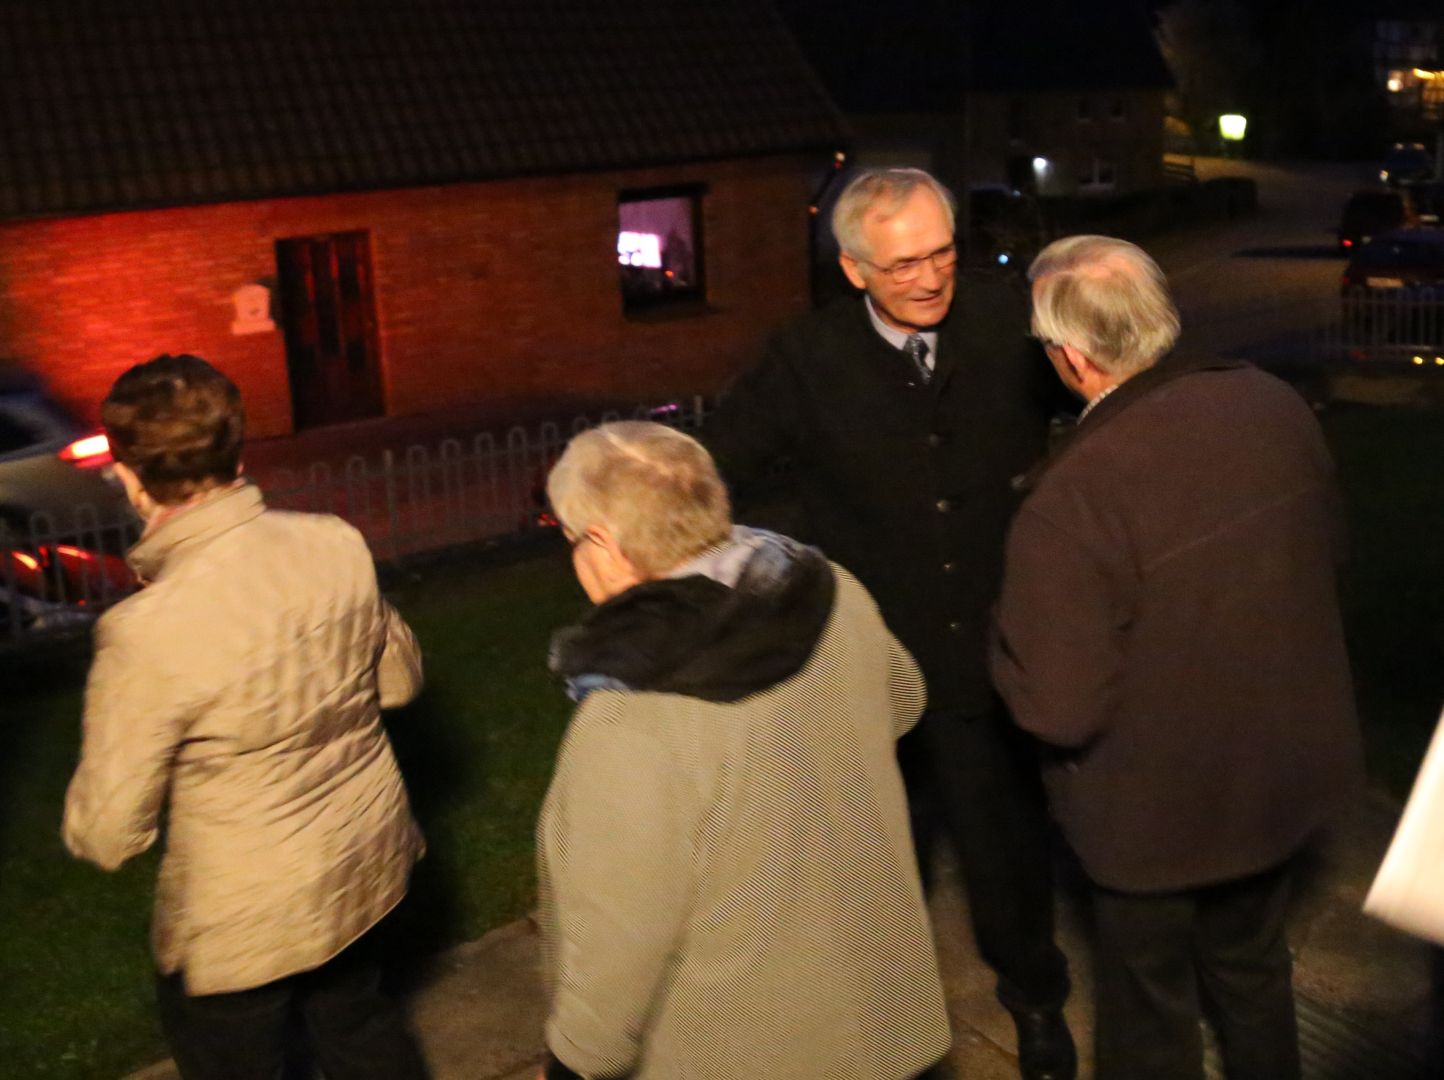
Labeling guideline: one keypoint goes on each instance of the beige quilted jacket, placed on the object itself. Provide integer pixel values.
(242, 690)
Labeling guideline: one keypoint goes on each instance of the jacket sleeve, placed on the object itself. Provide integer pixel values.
(1057, 649)
(906, 688)
(622, 835)
(755, 423)
(135, 718)
(398, 673)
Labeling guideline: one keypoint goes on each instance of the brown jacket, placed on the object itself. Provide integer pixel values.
(242, 689)
(1169, 623)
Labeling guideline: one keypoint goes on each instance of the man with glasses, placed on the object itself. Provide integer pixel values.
(907, 414)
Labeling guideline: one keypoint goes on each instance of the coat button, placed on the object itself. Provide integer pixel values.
(950, 567)
(935, 440)
(944, 506)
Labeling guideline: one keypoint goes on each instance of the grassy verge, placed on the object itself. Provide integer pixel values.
(477, 749)
(1393, 589)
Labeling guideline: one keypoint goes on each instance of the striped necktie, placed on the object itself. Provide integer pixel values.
(917, 350)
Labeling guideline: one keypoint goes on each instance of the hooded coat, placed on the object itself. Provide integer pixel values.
(728, 888)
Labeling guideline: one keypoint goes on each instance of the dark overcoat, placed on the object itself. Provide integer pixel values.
(909, 486)
(1169, 621)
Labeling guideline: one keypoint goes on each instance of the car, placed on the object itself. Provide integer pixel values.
(1393, 299)
(64, 519)
(1406, 163)
(1373, 211)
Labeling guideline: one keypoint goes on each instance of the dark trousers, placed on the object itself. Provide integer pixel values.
(354, 1031)
(975, 779)
(1163, 958)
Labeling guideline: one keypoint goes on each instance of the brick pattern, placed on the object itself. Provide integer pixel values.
(502, 291)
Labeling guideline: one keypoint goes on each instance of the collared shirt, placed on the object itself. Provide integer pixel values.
(898, 338)
(1092, 404)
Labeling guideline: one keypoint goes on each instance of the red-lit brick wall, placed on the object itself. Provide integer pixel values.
(495, 292)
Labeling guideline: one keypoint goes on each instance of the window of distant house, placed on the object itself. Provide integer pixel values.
(1118, 112)
(1085, 110)
(659, 247)
(1098, 175)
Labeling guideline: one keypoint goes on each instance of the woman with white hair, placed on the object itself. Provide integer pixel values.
(727, 881)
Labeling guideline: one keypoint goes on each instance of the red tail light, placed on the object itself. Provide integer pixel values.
(87, 453)
(1347, 242)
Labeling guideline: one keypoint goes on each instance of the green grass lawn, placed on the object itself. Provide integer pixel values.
(477, 749)
(1391, 467)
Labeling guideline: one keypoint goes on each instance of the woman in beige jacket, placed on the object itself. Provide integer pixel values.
(728, 889)
(240, 691)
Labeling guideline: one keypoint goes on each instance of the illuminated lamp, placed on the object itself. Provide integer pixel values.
(1395, 84)
(1418, 360)
(1041, 165)
(1232, 126)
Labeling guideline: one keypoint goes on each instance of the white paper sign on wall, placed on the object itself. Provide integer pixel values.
(253, 310)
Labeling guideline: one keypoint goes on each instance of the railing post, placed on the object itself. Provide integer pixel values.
(388, 481)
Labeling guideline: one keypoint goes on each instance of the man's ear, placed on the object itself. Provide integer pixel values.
(1077, 363)
(853, 269)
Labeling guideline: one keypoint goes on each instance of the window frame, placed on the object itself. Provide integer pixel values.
(693, 296)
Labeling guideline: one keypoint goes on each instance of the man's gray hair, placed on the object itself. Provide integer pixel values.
(883, 192)
(1107, 299)
(656, 489)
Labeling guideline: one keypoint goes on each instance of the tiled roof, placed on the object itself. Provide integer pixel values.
(109, 104)
(924, 55)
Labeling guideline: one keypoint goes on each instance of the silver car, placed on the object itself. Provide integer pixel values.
(64, 520)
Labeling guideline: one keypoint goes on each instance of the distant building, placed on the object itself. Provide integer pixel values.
(377, 208)
(1408, 48)
(1050, 96)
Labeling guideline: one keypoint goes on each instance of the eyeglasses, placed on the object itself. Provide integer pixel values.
(942, 260)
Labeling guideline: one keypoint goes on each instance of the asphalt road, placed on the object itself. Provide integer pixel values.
(1259, 285)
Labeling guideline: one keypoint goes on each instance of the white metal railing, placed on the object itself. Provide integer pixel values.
(54, 580)
(1396, 327)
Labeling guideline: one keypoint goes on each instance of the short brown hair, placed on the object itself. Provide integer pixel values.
(178, 423)
(654, 487)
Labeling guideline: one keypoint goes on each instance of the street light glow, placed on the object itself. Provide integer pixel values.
(1232, 126)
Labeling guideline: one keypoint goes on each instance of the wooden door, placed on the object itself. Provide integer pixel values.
(329, 312)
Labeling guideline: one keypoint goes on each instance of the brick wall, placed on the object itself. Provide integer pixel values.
(494, 292)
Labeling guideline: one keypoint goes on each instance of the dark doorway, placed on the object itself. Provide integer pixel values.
(329, 313)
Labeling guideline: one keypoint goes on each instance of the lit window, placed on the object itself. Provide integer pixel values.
(659, 250)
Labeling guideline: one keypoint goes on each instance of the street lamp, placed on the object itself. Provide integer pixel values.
(1232, 127)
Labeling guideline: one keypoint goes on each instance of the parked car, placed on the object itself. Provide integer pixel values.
(64, 520)
(1371, 212)
(1393, 299)
(1406, 163)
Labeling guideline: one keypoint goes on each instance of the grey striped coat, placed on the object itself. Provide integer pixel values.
(729, 890)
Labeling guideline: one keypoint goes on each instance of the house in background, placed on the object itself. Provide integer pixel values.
(379, 209)
(1049, 96)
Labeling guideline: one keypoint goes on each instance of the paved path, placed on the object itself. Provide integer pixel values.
(1364, 990)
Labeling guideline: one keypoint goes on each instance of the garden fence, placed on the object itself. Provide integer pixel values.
(54, 580)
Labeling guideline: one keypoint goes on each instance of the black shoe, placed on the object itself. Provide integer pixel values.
(1045, 1047)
